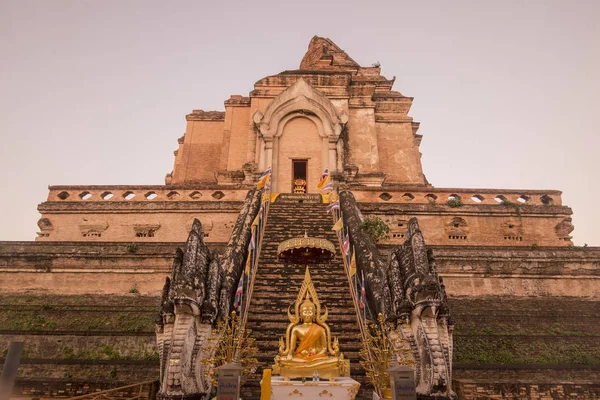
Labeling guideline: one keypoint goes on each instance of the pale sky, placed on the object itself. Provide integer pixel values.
(95, 92)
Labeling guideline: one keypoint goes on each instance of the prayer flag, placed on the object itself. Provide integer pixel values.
(238, 293)
(252, 245)
(266, 197)
(353, 264)
(327, 188)
(363, 293)
(325, 173)
(333, 206)
(264, 178)
(324, 182)
(338, 225)
(333, 197)
(261, 211)
(346, 245)
(248, 262)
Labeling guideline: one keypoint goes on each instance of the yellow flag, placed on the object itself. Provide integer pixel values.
(324, 182)
(333, 197)
(325, 198)
(265, 198)
(263, 181)
(338, 225)
(274, 197)
(353, 265)
(248, 259)
(255, 222)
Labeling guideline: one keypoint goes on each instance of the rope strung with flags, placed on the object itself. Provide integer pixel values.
(244, 289)
(330, 195)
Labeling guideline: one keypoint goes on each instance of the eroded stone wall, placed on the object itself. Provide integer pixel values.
(462, 217)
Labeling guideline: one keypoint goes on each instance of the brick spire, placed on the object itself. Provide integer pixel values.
(324, 54)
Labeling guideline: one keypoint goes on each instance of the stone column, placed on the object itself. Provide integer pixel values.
(325, 155)
(340, 155)
(332, 164)
(273, 156)
(262, 156)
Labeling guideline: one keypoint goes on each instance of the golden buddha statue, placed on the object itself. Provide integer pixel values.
(308, 347)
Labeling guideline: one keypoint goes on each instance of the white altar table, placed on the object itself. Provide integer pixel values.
(339, 389)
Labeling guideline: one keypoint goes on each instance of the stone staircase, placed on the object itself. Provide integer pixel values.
(277, 286)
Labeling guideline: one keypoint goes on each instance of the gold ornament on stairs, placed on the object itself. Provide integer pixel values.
(308, 346)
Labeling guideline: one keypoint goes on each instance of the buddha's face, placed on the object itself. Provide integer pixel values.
(307, 311)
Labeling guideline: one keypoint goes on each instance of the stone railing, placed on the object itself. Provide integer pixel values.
(144, 193)
(440, 196)
(457, 196)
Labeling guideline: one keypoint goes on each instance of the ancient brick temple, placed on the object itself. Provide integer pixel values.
(330, 113)
(524, 300)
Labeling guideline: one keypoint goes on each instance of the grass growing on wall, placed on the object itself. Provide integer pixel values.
(78, 313)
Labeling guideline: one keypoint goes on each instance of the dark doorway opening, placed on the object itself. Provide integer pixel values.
(299, 176)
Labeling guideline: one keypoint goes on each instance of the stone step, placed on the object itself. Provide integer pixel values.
(277, 285)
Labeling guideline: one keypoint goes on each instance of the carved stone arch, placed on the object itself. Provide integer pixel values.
(299, 100)
(316, 120)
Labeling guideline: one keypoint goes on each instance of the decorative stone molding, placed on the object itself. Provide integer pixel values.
(563, 229)
(457, 228)
(300, 98)
(230, 177)
(145, 230)
(407, 290)
(93, 229)
(251, 173)
(45, 225)
(201, 290)
(373, 179)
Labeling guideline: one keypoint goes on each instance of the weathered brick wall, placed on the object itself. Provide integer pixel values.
(399, 155)
(77, 344)
(544, 391)
(239, 128)
(138, 213)
(114, 268)
(165, 213)
(201, 149)
(502, 344)
(79, 268)
(526, 348)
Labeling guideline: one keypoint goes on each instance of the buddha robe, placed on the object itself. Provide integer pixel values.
(308, 341)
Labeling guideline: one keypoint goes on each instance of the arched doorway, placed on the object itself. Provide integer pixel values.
(299, 155)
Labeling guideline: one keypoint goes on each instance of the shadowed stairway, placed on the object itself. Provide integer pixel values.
(277, 286)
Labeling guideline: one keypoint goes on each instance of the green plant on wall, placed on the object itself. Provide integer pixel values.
(454, 202)
(134, 289)
(517, 207)
(376, 228)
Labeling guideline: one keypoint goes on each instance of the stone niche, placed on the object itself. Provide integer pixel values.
(457, 229)
(145, 230)
(94, 229)
(45, 226)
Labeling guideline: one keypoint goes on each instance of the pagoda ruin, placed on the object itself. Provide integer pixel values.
(484, 284)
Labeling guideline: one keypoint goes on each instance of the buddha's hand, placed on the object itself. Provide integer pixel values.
(305, 353)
